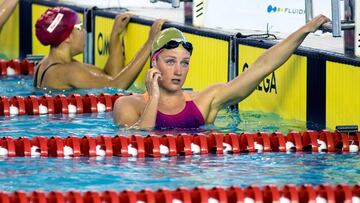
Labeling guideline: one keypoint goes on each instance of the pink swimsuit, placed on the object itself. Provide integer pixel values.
(189, 117)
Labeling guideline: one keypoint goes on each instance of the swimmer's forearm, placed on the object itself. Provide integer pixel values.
(148, 117)
(277, 55)
(269, 61)
(6, 10)
(127, 76)
(116, 60)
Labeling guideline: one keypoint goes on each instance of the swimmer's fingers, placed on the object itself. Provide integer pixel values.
(156, 27)
(317, 23)
(151, 82)
(155, 72)
(157, 77)
(153, 75)
(121, 21)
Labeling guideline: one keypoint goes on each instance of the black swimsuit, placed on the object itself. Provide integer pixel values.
(43, 74)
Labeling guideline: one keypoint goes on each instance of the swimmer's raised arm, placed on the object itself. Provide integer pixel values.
(130, 71)
(6, 9)
(116, 60)
(239, 88)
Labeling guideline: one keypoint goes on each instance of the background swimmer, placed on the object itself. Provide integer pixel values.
(61, 28)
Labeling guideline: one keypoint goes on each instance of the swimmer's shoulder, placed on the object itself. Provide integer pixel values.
(136, 101)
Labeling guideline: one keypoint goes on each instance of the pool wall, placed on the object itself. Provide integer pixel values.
(313, 85)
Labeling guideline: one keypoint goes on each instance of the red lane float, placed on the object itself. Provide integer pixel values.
(268, 193)
(4, 106)
(17, 105)
(173, 145)
(58, 104)
(16, 67)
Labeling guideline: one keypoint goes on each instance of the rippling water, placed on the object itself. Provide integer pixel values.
(171, 172)
(138, 173)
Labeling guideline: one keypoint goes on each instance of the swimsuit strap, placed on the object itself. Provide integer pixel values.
(43, 74)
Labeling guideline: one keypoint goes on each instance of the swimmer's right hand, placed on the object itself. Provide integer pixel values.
(156, 27)
(153, 76)
(121, 21)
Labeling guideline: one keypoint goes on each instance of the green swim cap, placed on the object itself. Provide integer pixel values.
(165, 36)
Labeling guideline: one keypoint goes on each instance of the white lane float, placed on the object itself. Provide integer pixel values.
(3, 151)
(353, 147)
(71, 109)
(290, 147)
(35, 151)
(100, 107)
(43, 109)
(164, 150)
(213, 200)
(132, 150)
(195, 149)
(176, 201)
(258, 147)
(14, 110)
(284, 200)
(320, 199)
(226, 148)
(249, 200)
(10, 71)
(68, 151)
(321, 145)
(99, 151)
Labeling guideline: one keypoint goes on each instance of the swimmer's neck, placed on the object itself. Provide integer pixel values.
(60, 54)
(165, 95)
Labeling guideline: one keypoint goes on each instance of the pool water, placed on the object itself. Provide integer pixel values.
(64, 125)
(172, 172)
(118, 173)
(23, 86)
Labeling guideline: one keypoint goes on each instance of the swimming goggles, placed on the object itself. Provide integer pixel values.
(173, 44)
(79, 26)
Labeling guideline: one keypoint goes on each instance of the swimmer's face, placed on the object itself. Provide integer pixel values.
(174, 66)
(78, 35)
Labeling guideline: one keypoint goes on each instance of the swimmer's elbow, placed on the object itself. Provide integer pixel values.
(119, 82)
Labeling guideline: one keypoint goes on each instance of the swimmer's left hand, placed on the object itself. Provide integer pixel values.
(316, 23)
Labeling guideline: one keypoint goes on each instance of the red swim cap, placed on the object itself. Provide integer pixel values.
(55, 25)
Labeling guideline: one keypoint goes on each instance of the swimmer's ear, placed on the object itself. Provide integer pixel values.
(153, 63)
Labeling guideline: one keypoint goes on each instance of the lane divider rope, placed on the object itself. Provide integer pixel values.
(268, 193)
(16, 67)
(180, 145)
(58, 104)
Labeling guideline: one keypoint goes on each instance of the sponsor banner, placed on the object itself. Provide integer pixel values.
(37, 47)
(276, 15)
(282, 92)
(342, 95)
(9, 37)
